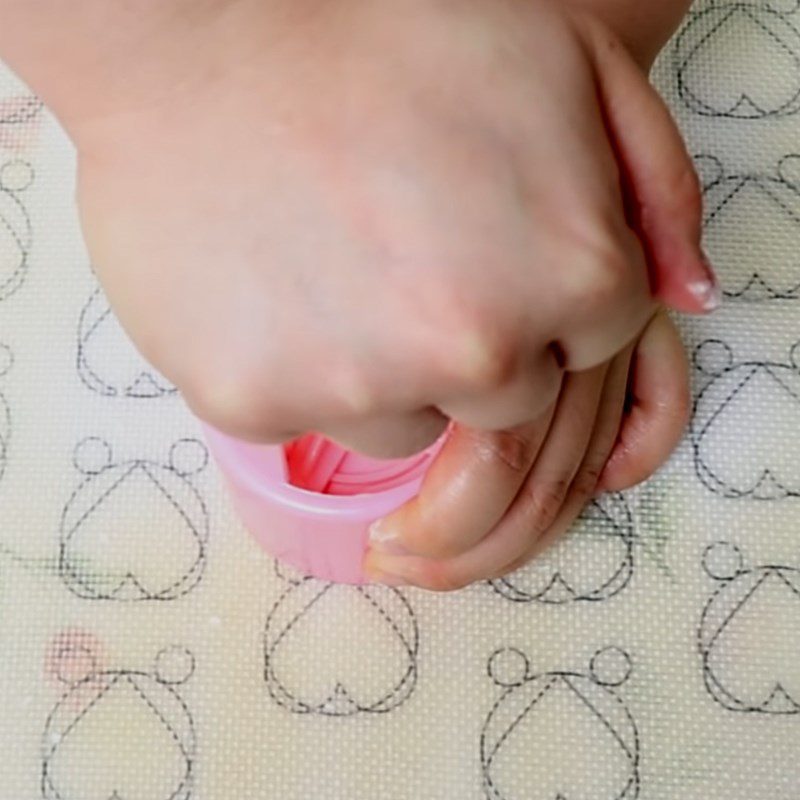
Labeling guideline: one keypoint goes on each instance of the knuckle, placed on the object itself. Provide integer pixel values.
(586, 481)
(481, 352)
(355, 393)
(231, 401)
(486, 360)
(545, 499)
(602, 273)
(509, 449)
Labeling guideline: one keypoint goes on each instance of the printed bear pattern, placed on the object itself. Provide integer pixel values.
(580, 713)
(107, 361)
(117, 542)
(749, 634)
(752, 229)
(733, 41)
(539, 718)
(121, 734)
(16, 232)
(308, 617)
(763, 466)
(593, 563)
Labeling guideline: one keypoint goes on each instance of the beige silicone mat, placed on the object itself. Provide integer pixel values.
(150, 651)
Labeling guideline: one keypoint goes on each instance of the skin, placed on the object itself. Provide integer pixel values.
(512, 493)
(370, 219)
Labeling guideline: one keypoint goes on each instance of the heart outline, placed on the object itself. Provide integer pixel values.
(738, 375)
(301, 596)
(727, 12)
(739, 586)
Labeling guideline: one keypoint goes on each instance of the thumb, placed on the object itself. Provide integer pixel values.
(659, 180)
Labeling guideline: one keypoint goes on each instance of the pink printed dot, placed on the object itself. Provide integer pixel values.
(73, 656)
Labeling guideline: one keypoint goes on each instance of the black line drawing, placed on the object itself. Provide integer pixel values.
(20, 109)
(6, 362)
(107, 361)
(115, 520)
(752, 229)
(763, 466)
(593, 563)
(16, 232)
(582, 712)
(122, 735)
(310, 610)
(749, 634)
(743, 36)
(20, 115)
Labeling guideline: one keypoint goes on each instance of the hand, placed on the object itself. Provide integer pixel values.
(493, 501)
(377, 216)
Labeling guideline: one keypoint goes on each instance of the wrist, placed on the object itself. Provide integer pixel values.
(111, 58)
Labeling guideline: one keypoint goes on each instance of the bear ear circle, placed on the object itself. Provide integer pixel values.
(794, 356)
(611, 666)
(723, 561)
(509, 667)
(188, 457)
(92, 456)
(709, 170)
(174, 665)
(789, 170)
(783, 6)
(16, 176)
(75, 664)
(713, 357)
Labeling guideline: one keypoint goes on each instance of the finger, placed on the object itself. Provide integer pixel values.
(660, 181)
(529, 392)
(606, 430)
(659, 407)
(584, 486)
(390, 435)
(535, 506)
(466, 491)
(547, 486)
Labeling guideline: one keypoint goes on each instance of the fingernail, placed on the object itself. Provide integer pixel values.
(707, 290)
(383, 539)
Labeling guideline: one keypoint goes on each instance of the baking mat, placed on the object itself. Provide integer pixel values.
(150, 651)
